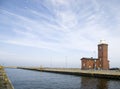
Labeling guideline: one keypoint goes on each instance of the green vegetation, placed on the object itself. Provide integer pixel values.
(3, 79)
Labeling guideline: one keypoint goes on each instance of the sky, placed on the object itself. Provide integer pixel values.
(57, 33)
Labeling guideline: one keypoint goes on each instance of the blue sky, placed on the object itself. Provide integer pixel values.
(57, 33)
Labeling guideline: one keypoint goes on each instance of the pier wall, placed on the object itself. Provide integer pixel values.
(109, 74)
(5, 82)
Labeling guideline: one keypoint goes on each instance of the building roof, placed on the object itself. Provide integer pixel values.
(102, 42)
(84, 58)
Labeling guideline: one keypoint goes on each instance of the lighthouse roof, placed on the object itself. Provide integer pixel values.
(102, 42)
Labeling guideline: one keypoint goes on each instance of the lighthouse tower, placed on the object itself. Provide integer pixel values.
(103, 55)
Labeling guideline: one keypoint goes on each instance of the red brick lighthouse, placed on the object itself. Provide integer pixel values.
(97, 63)
(103, 55)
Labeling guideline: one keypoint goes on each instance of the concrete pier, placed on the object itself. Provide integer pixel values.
(109, 74)
(5, 83)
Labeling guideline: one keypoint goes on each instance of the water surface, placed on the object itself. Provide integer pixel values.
(27, 79)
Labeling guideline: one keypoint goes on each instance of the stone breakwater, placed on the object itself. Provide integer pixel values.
(109, 74)
(5, 83)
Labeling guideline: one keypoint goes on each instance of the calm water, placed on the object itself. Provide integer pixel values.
(26, 79)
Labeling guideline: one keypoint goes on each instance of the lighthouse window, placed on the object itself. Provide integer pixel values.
(100, 47)
(84, 64)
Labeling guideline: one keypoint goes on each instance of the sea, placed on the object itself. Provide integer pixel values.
(29, 79)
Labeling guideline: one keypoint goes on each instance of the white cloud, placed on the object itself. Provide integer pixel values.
(68, 29)
(60, 2)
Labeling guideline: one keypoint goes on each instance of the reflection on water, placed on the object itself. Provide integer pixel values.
(97, 83)
(102, 84)
(93, 83)
(24, 79)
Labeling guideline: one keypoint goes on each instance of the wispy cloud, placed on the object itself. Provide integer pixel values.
(62, 25)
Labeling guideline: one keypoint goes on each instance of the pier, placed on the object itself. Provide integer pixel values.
(5, 83)
(108, 74)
